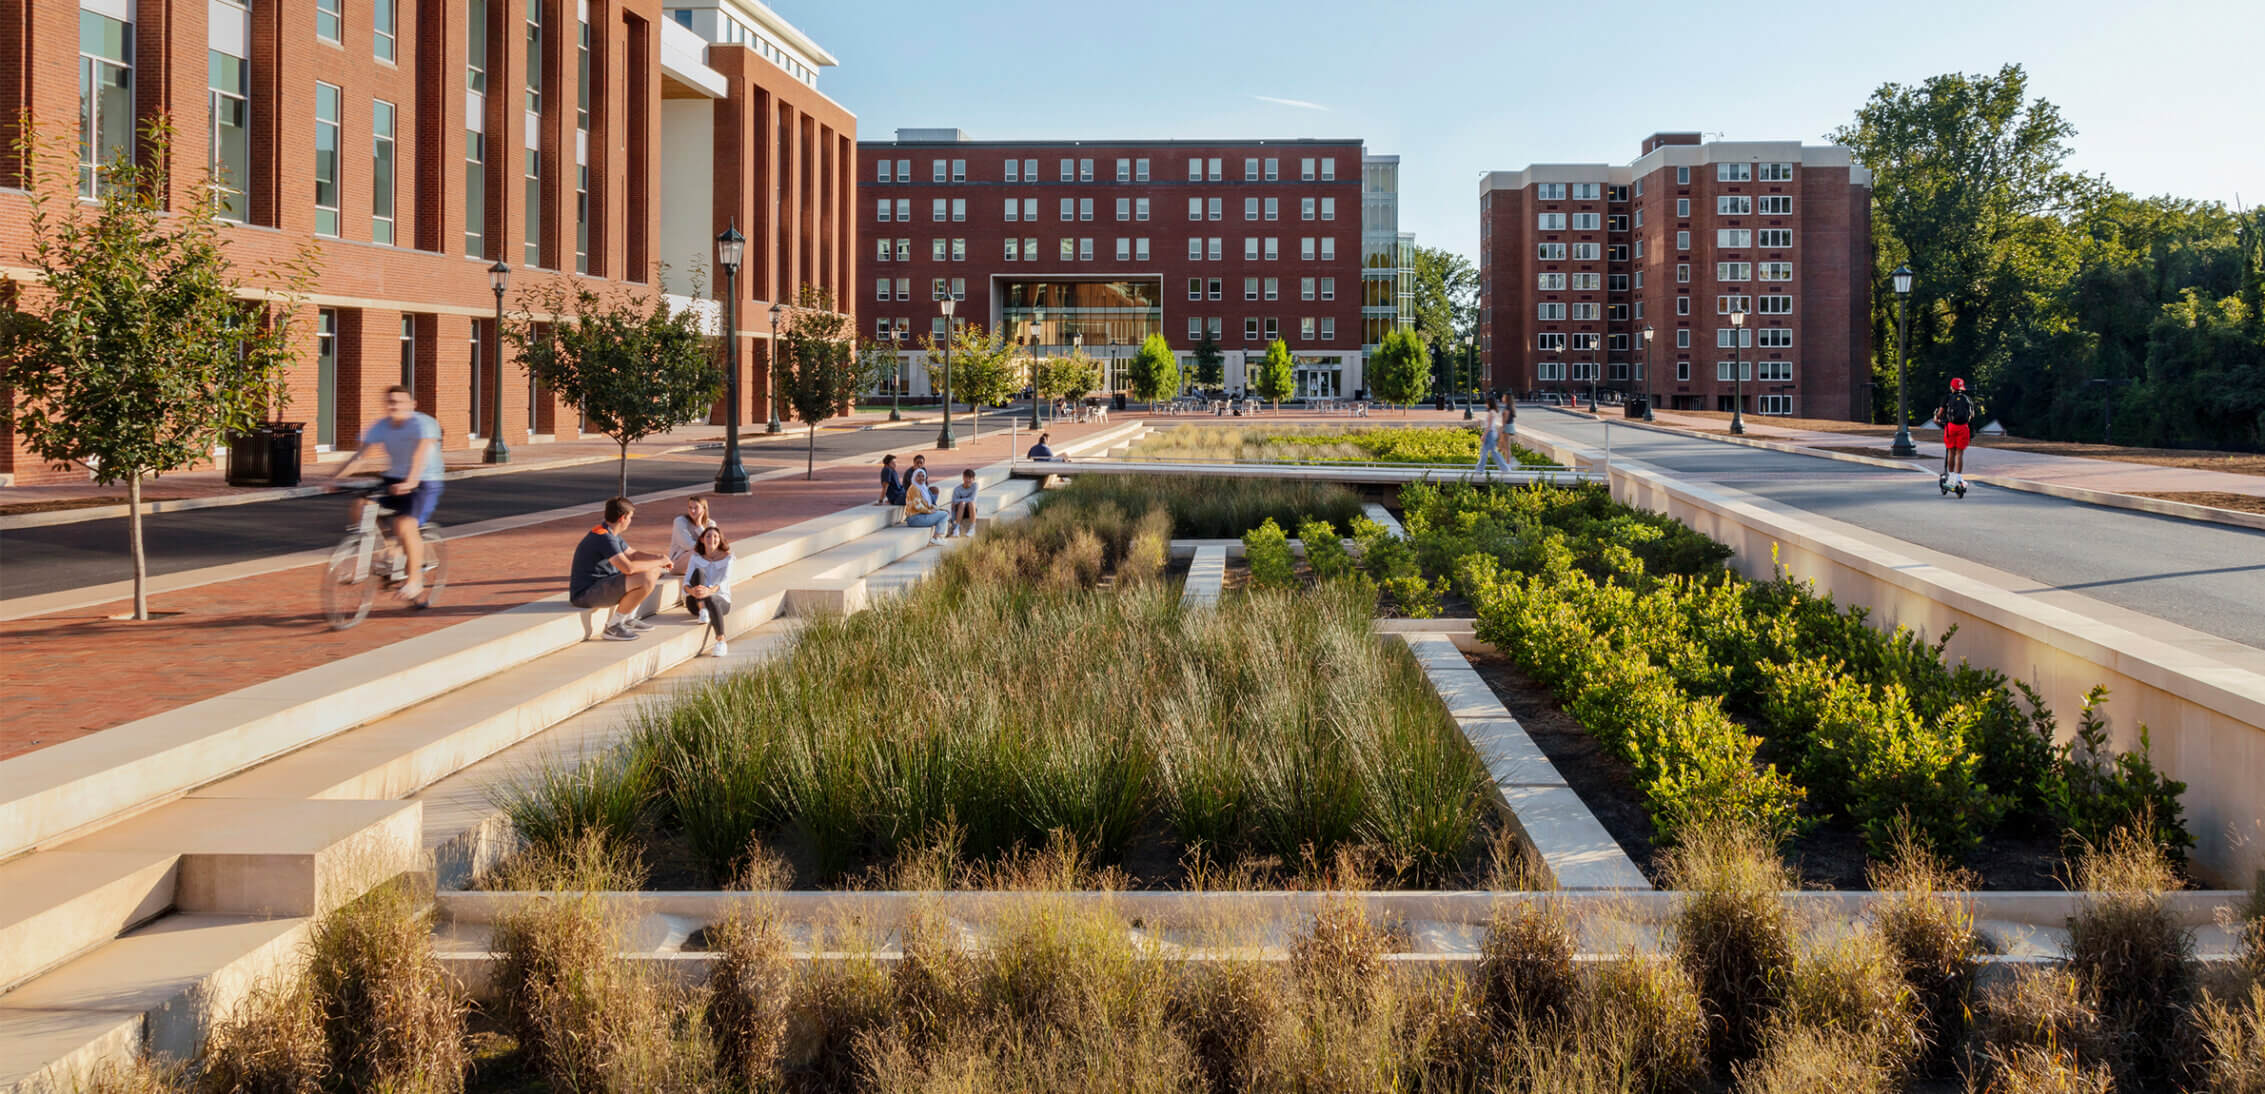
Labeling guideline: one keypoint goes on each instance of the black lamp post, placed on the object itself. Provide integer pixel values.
(1594, 370)
(1559, 350)
(944, 438)
(1648, 332)
(1037, 325)
(772, 363)
(499, 277)
(1902, 279)
(896, 381)
(1738, 372)
(1470, 371)
(731, 247)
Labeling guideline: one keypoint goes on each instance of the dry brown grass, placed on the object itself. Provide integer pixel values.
(390, 1013)
(1814, 1060)
(2033, 1070)
(1850, 993)
(1526, 976)
(271, 1043)
(1226, 1011)
(2044, 1009)
(1732, 931)
(1931, 935)
(2129, 951)
(141, 1075)
(749, 999)
(586, 1020)
(2229, 1036)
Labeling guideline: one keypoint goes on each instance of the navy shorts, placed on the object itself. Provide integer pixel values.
(418, 503)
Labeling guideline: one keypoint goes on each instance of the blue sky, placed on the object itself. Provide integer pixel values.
(2167, 96)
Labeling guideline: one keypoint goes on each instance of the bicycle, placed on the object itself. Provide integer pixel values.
(370, 558)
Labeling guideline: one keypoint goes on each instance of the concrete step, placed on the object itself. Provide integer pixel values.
(250, 856)
(174, 978)
(58, 1051)
(56, 906)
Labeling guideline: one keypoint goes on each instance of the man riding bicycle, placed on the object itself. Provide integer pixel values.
(410, 442)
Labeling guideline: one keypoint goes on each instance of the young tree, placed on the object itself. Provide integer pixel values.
(1446, 299)
(985, 369)
(878, 362)
(818, 372)
(633, 368)
(1277, 378)
(1154, 372)
(1401, 370)
(1065, 377)
(141, 354)
(1210, 362)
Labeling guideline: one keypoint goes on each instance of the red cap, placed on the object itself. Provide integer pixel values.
(1957, 384)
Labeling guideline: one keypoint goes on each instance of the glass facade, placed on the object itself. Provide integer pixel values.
(1384, 251)
(231, 164)
(1105, 313)
(106, 95)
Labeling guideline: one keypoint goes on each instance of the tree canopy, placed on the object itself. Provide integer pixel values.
(1153, 372)
(1210, 362)
(633, 367)
(2033, 281)
(1400, 371)
(1446, 300)
(819, 369)
(1275, 378)
(985, 368)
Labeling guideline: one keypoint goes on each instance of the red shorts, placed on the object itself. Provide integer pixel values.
(1955, 436)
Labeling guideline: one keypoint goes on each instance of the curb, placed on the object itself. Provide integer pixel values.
(2107, 498)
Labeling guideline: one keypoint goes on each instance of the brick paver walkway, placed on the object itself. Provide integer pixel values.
(69, 674)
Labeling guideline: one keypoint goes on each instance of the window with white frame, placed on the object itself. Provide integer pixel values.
(1250, 208)
(1683, 370)
(1774, 370)
(938, 170)
(881, 210)
(1250, 248)
(1328, 329)
(936, 326)
(1683, 339)
(1195, 328)
(1250, 169)
(938, 209)
(1069, 209)
(1195, 248)
(1774, 305)
(881, 252)
(904, 249)
(904, 284)
(1733, 271)
(1068, 249)
(1250, 288)
(885, 174)
(1551, 369)
(1585, 222)
(1682, 241)
(1214, 248)
(1273, 248)
(1549, 311)
(1587, 252)
(959, 170)
(1734, 237)
(1617, 222)
(1085, 248)
(1014, 249)
(1682, 207)
(382, 162)
(1549, 252)
(1774, 172)
(1682, 273)
(1616, 252)
(1731, 302)
(1550, 282)
(1212, 208)
(1305, 288)
(1124, 249)
(1273, 328)
(1140, 169)
(1085, 208)
(1733, 205)
(959, 209)
(1305, 169)
(1329, 288)
(329, 100)
(330, 19)
(1195, 169)
(1250, 330)
(1549, 222)
(936, 248)
(1616, 283)
(1639, 218)
(1587, 191)
(1639, 286)
(1328, 248)
(1328, 169)
(959, 290)
(1586, 282)
(1029, 170)
(1306, 327)
(1725, 370)
(1584, 312)
(1069, 170)
(1682, 176)
(1773, 404)
(1305, 248)
(1639, 249)
(1773, 338)
(1617, 370)
(1140, 249)
(1140, 208)
(1549, 191)
(1549, 342)
(1030, 210)
(1195, 288)
(1273, 169)
(1722, 337)
(1124, 208)
(1212, 166)
(1329, 208)
(1195, 208)
(1124, 170)
(1778, 238)
(1733, 172)
(1777, 205)
(1777, 271)
(1013, 172)
(881, 289)
(1216, 288)
(1682, 305)
(937, 287)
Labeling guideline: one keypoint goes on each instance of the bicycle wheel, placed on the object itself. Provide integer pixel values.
(436, 563)
(349, 584)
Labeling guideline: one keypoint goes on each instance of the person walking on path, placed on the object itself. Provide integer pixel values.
(607, 574)
(1956, 417)
(684, 532)
(707, 584)
(1490, 436)
(410, 444)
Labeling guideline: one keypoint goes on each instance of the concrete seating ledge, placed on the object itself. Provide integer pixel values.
(68, 787)
(1207, 575)
(1571, 845)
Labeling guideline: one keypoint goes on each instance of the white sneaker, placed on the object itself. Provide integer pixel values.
(719, 649)
(701, 618)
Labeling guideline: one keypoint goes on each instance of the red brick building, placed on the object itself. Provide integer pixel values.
(1576, 260)
(416, 142)
(1109, 241)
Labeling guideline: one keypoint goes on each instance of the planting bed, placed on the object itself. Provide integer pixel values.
(1443, 446)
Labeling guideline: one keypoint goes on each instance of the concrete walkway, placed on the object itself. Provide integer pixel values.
(71, 673)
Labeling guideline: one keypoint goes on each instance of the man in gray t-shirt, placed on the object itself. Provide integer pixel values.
(409, 443)
(963, 505)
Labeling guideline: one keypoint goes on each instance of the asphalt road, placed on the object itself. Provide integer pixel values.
(69, 556)
(2210, 577)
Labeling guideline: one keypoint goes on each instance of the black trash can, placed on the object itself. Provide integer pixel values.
(267, 456)
(1439, 402)
(1117, 401)
(1636, 404)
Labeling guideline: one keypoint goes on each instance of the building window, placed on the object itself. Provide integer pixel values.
(1774, 404)
(1550, 252)
(1733, 205)
(1549, 341)
(1733, 172)
(1273, 169)
(1014, 171)
(1682, 241)
(1124, 249)
(881, 289)
(475, 193)
(1273, 328)
(1549, 191)
(381, 41)
(409, 352)
(1586, 282)
(1140, 170)
(1777, 205)
(1305, 288)
(1085, 170)
(1587, 252)
(904, 249)
(1215, 289)
(330, 19)
(326, 377)
(231, 107)
(1723, 335)
(1733, 271)
(1730, 302)
(938, 170)
(1029, 170)
(1273, 288)
(1775, 172)
(1305, 170)
(1734, 237)
(1212, 209)
(1777, 271)
(1014, 249)
(1305, 247)
(1683, 368)
(1682, 176)
(1085, 248)
(1213, 248)
(1639, 217)
(1250, 208)
(106, 96)
(1250, 330)
(936, 245)
(1549, 222)
(1195, 328)
(1305, 208)
(1273, 209)
(1587, 191)
(1550, 282)
(1616, 283)
(1124, 208)
(959, 249)
(1774, 370)
(1774, 238)
(534, 251)
(1124, 170)
(1329, 288)
(381, 172)
(1140, 208)
(1195, 288)
(1682, 207)
(882, 250)
(1549, 311)
(1140, 249)
(1775, 305)
(1250, 288)
(1584, 312)
(1682, 305)
(1682, 273)
(959, 209)
(1195, 169)
(1250, 169)
(1212, 166)
(328, 100)
(1773, 338)
(1085, 208)
(1305, 329)
(959, 170)
(1250, 248)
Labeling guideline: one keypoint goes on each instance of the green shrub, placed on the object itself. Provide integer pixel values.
(1415, 597)
(2097, 792)
(1325, 552)
(1267, 551)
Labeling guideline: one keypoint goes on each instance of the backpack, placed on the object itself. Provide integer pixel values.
(1958, 409)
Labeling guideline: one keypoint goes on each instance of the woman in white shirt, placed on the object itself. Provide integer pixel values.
(1490, 438)
(684, 532)
(707, 583)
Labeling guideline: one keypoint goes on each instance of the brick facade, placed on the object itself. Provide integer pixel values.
(983, 231)
(425, 274)
(1810, 348)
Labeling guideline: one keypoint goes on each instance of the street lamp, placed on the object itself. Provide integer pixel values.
(773, 364)
(896, 382)
(1037, 325)
(944, 438)
(1738, 372)
(1902, 279)
(1648, 332)
(1594, 370)
(1470, 371)
(731, 478)
(499, 277)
